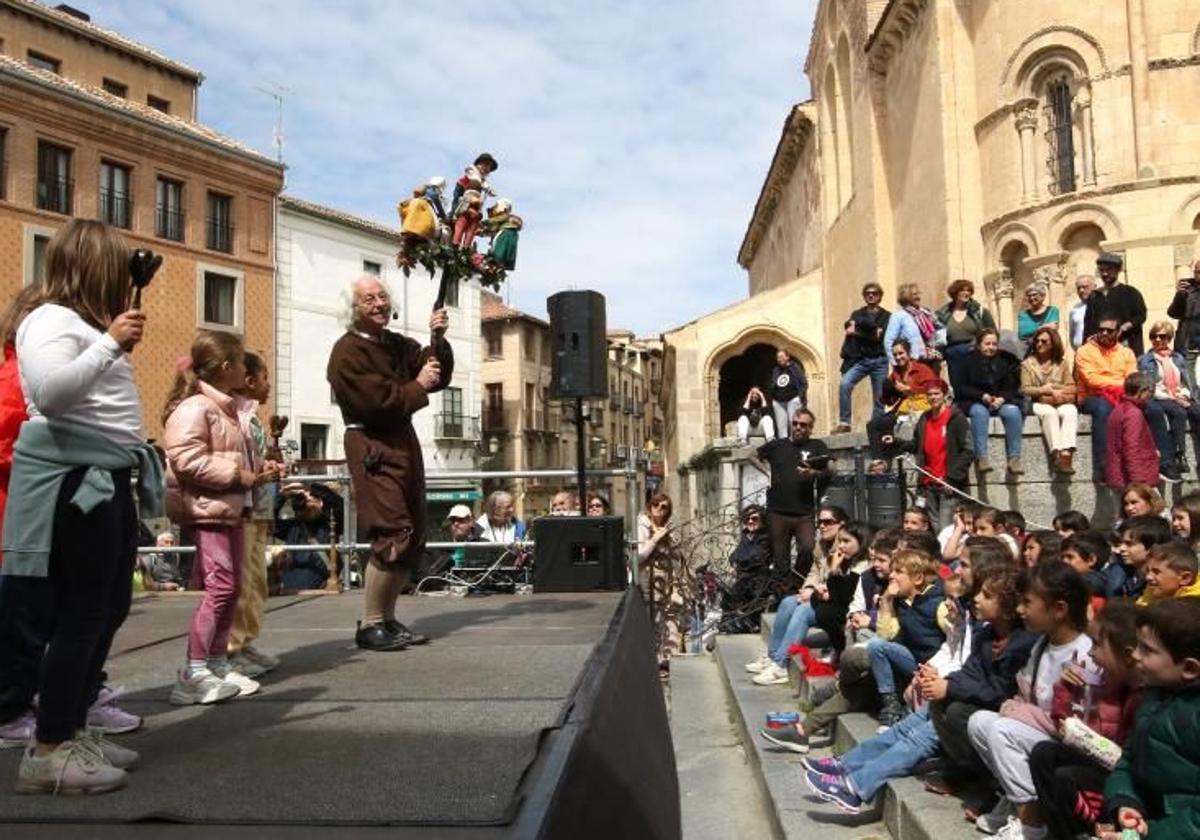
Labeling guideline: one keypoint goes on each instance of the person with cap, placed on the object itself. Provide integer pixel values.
(1085, 284)
(863, 354)
(1118, 300)
(1101, 366)
(462, 528)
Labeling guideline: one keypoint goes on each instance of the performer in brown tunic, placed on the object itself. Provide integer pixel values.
(380, 379)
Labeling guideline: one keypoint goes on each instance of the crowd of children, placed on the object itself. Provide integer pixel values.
(1049, 679)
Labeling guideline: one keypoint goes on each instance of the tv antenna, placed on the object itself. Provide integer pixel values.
(277, 92)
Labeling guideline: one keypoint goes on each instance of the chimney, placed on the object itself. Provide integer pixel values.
(73, 12)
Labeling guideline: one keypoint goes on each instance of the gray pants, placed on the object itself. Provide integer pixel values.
(1004, 745)
(783, 415)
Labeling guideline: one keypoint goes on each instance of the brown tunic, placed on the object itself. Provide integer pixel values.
(375, 384)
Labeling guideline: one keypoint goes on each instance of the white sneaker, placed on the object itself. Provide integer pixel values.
(244, 685)
(772, 675)
(116, 756)
(246, 666)
(758, 665)
(73, 768)
(1014, 829)
(997, 818)
(202, 687)
(264, 660)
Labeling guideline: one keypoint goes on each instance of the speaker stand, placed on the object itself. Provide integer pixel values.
(580, 457)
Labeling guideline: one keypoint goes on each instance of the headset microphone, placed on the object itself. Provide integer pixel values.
(395, 315)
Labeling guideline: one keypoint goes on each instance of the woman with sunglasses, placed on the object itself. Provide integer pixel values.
(1047, 379)
(1172, 406)
(598, 505)
(750, 559)
(663, 577)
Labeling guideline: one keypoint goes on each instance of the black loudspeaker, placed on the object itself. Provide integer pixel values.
(579, 361)
(578, 554)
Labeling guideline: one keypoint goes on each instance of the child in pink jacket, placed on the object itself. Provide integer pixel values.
(211, 470)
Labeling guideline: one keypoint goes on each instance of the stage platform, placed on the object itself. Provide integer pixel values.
(455, 736)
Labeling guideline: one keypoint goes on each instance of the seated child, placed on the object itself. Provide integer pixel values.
(1071, 522)
(1070, 781)
(998, 651)
(854, 689)
(1170, 573)
(960, 528)
(1155, 787)
(1139, 534)
(912, 624)
(1054, 604)
(1041, 546)
(1086, 553)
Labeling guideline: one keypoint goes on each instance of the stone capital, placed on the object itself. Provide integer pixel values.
(1002, 284)
(1025, 114)
(1083, 97)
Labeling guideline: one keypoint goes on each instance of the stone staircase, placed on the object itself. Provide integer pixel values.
(904, 810)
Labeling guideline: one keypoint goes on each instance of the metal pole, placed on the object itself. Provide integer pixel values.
(631, 513)
(580, 456)
(349, 535)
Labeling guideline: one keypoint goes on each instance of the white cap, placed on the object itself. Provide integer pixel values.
(460, 512)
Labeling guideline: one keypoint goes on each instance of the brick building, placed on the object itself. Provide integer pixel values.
(96, 126)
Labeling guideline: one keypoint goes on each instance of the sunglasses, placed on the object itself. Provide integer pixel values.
(1158, 336)
(826, 522)
(1107, 330)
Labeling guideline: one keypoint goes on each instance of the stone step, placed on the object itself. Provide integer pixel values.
(798, 814)
(904, 810)
(719, 793)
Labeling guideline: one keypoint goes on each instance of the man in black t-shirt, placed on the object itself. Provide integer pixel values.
(799, 468)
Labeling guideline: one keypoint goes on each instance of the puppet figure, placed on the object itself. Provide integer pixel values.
(475, 178)
(467, 218)
(504, 244)
(434, 190)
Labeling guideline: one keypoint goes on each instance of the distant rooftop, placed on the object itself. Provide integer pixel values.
(493, 308)
(98, 33)
(18, 69)
(311, 208)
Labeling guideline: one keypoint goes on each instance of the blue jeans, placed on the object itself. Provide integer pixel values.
(1098, 409)
(1169, 422)
(955, 356)
(888, 659)
(1012, 418)
(891, 754)
(876, 369)
(791, 626)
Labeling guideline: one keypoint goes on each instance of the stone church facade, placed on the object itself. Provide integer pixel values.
(1003, 141)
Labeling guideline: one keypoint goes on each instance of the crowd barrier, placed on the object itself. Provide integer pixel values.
(345, 549)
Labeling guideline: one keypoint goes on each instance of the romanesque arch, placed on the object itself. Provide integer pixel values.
(1067, 44)
(1075, 215)
(1009, 233)
(748, 343)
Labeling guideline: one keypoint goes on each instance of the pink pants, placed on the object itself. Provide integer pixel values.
(219, 551)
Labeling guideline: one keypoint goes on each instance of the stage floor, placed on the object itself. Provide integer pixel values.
(441, 734)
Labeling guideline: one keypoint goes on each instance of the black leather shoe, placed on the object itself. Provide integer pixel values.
(376, 637)
(401, 632)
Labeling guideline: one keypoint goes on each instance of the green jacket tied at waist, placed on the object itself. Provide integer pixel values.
(44, 454)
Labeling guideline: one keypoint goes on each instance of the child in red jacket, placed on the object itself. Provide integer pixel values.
(1132, 455)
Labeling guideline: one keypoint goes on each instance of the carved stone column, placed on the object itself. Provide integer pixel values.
(1025, 115)
(1001, 286)
(1054, 277)
(1083, 118)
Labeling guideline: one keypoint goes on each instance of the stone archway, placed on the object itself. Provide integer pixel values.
(742, 357)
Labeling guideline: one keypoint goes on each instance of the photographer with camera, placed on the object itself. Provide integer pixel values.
(1185, 308)
(306, 515)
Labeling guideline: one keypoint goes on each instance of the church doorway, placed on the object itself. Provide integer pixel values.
(751, 368)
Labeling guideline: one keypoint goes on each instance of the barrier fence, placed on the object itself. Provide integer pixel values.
(343, 548)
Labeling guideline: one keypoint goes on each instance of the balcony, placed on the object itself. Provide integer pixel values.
(638, 411)
(494, 419)
(614, 401)
(116, 208)
(455, 427)
(54, 194)
(220, 236)
(628, 405)
(655, 385)
(169, 224)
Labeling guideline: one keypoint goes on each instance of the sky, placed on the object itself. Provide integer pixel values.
(633, 138)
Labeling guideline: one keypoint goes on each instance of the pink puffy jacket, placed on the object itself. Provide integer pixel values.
(207, 448)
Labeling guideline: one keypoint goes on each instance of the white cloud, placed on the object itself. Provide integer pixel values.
(632, 137)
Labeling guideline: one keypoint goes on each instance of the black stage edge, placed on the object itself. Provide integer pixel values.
(609, 772)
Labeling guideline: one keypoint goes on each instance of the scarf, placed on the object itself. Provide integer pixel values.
(926, 325)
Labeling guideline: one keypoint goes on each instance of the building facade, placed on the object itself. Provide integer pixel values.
(951, 140)
(321, 251)
(95, 126)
